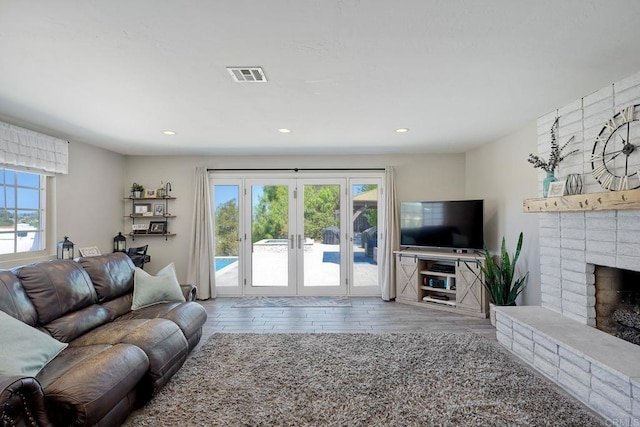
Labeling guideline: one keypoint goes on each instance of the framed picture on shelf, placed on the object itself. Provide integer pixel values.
(90, 251)
(142, 209)
(157, 227)
(150, 194)
(556, 189)
(139, 228)
(158, 209)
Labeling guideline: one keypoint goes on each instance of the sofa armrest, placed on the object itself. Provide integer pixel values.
(190, 292)
(22, 402)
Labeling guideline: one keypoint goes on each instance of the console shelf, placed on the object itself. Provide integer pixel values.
(443, 281)
(438, 301)
(436, 290)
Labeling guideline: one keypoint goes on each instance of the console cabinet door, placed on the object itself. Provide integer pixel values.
(470, 294)
(407, 278)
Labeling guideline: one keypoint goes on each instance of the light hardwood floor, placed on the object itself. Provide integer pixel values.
(366, 315)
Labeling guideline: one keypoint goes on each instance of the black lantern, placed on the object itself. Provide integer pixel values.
(119, 243)
(65, 249)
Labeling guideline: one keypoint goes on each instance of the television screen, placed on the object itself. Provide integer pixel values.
(445, 224)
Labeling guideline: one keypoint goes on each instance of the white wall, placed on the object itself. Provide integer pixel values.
(89, 199)
(499, 173)
(418, 177)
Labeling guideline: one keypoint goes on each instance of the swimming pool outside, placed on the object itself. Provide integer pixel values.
(222, 262)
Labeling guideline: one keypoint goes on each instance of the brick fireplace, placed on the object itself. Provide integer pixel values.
(559, 338)
(572, 244)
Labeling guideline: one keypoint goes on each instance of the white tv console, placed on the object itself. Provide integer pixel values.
(442, 280)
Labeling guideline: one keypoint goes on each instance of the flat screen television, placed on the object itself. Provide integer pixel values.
(456, 224)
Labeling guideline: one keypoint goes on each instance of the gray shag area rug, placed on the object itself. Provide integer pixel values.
(433, 379)
(249, 302)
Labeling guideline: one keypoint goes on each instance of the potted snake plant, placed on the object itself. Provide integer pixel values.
(498, 277)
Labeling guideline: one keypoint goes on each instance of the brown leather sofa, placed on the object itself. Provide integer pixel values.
(116, 358)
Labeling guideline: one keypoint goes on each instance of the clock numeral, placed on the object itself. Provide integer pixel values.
(624, 183)
(597, 157)
(627, 114)
(599, 172)
(611, 124)
(607, 181)
(600, 139)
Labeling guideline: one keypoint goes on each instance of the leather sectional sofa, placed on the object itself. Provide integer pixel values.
(116, 359)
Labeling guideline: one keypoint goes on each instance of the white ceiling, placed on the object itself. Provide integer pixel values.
(343, 74)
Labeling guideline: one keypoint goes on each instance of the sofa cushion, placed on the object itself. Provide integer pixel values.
(57, 287)
(25, 350)
(149, 290)
(14, 300)
(111, 274)
(160, 339)
(118, 306)
(83, 384)
(190, 317)
(68, 327)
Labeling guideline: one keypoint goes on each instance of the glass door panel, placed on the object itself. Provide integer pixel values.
(364, 219)
(226, 202)
(272, 245)
(321, 236)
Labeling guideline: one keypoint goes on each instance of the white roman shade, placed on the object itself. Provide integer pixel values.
(32, 150)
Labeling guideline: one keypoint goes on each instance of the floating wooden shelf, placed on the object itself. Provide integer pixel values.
(146, 234)
(612, 200)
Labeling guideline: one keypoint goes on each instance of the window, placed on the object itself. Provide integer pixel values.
(22, 213)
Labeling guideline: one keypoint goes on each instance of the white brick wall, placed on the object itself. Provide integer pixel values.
(570, 243)
(583, 119)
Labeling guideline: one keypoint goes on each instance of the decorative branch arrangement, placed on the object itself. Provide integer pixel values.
(556, 152)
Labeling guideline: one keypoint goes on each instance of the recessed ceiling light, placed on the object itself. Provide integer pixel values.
(284, 130)
(402, 130)
(169, 132)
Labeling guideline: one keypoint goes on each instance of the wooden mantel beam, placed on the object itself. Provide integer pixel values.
(612, 200)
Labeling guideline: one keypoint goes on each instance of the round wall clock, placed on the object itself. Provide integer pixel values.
(615, 159)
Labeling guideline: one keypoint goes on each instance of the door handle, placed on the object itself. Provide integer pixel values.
(299, 241)
(291, 238)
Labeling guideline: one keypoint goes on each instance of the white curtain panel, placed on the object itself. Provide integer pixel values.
(201, 270)
(26, 149)
(389, 237)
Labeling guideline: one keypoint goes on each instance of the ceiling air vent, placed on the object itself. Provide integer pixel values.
(247, 74)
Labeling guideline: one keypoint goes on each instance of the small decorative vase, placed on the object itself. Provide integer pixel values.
(574, 184)
(136, 194)
(547, 181)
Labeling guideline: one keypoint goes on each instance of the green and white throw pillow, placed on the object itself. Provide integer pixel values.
(25, 350)
(149, 290)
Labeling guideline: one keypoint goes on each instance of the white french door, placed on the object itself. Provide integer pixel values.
(293, 237)
(297, 236)
(270, 237)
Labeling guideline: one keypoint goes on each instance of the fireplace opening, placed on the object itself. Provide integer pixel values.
(618, 302)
